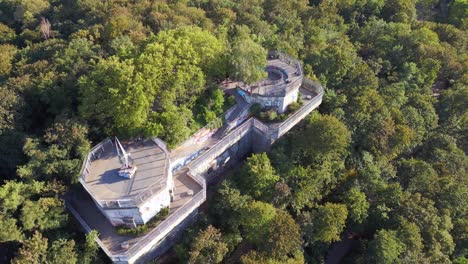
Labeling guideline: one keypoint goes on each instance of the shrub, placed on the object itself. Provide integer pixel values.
(255, 109)
(229, 102)
(300, 101)
(271, 115)
(142, 229)
(293, 107)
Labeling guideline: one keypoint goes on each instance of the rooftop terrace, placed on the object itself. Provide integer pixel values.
(87, 213)
(282, 73)
(100, 174)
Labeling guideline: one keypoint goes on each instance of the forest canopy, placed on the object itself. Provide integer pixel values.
(382, 162)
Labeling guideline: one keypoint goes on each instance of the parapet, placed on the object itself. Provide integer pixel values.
(100, 173)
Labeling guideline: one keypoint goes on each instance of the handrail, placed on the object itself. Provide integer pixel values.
(222, 116)
(88, 156)
(197, 199)
(317, 89)
(129, 202)
(228, 137)
(87, 162)
(280, 85)
(87, 227)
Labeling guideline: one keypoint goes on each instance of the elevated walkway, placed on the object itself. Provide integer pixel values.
(200, 156)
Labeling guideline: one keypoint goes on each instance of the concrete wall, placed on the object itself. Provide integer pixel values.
(168, 241)
(252, 135)
(116, 216)
(207, 160)
(152, 206)
(141, 214)
(290, 98)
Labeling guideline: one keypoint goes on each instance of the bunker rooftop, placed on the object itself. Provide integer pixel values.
(147, 165)
(101, 173)
(282, 72)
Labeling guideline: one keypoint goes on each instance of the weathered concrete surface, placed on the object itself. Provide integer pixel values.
(105, 183)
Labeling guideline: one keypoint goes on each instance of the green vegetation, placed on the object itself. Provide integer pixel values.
(383, 160)
(143, 229)
(270, 115)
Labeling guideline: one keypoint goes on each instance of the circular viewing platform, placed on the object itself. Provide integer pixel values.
(284, 75)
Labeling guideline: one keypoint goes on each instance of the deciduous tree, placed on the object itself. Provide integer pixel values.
(208, 247)
(324, 224)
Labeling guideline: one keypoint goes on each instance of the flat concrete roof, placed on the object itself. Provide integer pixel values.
(86, 208)
(104, 182)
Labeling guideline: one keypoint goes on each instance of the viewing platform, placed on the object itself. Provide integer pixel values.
(83, 208)
(111, 190)
(280, 88)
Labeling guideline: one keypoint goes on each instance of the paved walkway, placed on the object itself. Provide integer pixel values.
(195, 148)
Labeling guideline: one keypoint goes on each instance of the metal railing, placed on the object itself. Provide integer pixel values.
(125, 202)
(167, 224)
(277, 88)
(305, 109)
(207, 126)
(221, 145)
(87, 228)
(84, 171)
(231, 138)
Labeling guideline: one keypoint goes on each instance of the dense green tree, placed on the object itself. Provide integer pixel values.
(7, 53)
(90, 248)
(453, 114)
(33, 250)
(283, 238)
(331, 139)
(9, 230)
(400, 10)
(435, 226)
(62, 251)
(61, 159)
(11, 110)
(308, 186)
(122, 22)
(418, 176)
(286, 15)
(113, 99)
(254, 257)
(228, 206)
(410, 235)
(457, 13)
(211, 49)
(258, 177)
(7, 34)
(324, 224)
(385, 247)
(248, 58)
(256, 219)
(13, 194)
(208, 247)
(357, 204)
(46, 213)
